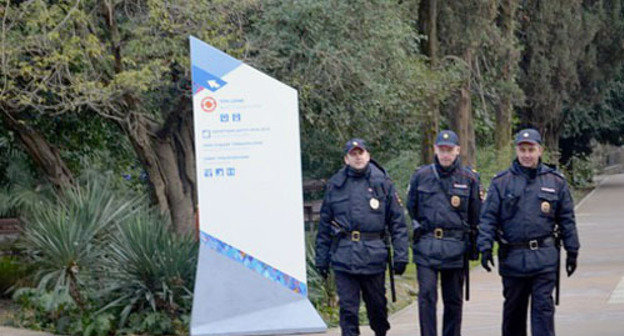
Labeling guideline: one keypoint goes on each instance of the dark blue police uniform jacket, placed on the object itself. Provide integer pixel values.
(348, 203)
(430, 205)
(519, 209)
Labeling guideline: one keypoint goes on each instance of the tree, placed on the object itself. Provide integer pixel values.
(464, 28)
(126, 62)
(428, 26)
(554, 35)
(509, 89)
(358, 72)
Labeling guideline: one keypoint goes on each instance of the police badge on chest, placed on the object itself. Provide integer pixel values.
(374, 203)
(455, 201)
(545, 207)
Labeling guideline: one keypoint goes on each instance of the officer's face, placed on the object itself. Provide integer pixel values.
(446, 154)
(528, 154)
(357, 158)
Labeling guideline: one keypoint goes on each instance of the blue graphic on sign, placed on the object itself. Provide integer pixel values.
(206, 134)
(236, 117)
(254, 264)
(207, 80)
(211, 59)
(225, 117)
(231, 171)
(219, 172)
(207, 172)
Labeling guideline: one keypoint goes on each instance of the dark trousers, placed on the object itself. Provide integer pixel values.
(452, 283)
(517, 292)
(372, 287)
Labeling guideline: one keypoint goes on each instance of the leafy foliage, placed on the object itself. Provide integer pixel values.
(148, 267)
(12, 270)
(64, 235)
(357, 70)
(101, 259)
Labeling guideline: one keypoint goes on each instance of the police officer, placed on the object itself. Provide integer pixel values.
(360, 209)
(444, 202)
(526, 206)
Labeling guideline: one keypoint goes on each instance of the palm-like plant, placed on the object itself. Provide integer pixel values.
(320, 291)
(65, 236)
(150, 266)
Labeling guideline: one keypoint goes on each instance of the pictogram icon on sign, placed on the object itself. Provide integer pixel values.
(208, 104)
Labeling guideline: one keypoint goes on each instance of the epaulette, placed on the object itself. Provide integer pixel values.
(377, 165)
(339, 178)
(420, 168)
(558, 173)
(553, 170)
(501, 174)
(472, 173)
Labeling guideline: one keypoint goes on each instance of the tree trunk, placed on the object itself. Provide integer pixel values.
(465, 119)
(502, 131)
(428, 13)
(430, 129)
(168, 155)
(550, 137)
(45, 155)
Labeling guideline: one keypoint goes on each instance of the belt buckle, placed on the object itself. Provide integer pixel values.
(533, 245)
(438, 233)
(355, 236)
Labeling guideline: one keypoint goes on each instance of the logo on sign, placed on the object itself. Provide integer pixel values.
(207, 80)
(208, 104)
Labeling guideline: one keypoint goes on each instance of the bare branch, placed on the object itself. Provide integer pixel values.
(62, 23)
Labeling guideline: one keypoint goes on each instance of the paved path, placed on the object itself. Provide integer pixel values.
(6, 331)
(590, 303)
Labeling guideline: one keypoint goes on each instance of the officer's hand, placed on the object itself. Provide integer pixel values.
(323, 271)
(417, 234)
(399, 267)
(486, 257)
(571, 262)
(473, 254)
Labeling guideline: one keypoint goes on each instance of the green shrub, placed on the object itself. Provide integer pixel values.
(43, 309)
(12, 271)
(320, 291)
(64, 239)
(99, 256)
(580, 172)
(150, 268)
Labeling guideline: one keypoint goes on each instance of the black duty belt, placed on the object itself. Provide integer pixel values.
(532, 244)
(439, 233)
(357, 235)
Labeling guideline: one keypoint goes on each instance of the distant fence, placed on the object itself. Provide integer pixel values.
(613, 160)
(9, 232)
(312, 208)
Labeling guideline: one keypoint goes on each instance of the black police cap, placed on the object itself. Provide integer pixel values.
(355, 143)
(447, 138)
(528, 135)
